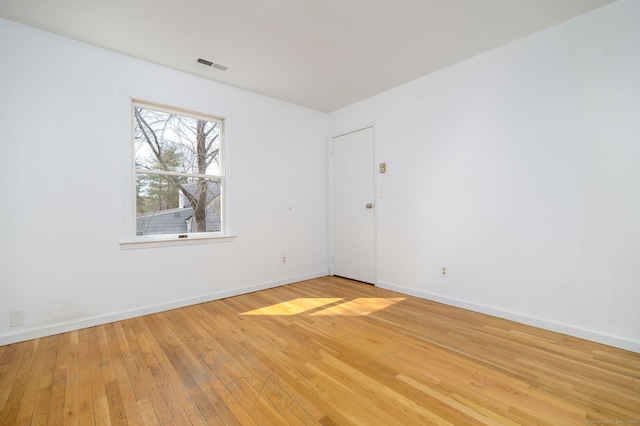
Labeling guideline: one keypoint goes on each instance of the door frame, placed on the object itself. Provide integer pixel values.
(375, 200)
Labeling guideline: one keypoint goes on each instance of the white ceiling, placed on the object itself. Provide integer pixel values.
(322, 54)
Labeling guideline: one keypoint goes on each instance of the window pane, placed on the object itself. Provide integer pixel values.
(176, 204)
(176, 143)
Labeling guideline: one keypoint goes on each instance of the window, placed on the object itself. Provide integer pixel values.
(179, 173)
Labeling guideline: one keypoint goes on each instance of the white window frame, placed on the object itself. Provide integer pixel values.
(133, 241)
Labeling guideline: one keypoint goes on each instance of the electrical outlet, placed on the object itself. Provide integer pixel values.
(16, 318)
(284, 258)
(443, 272)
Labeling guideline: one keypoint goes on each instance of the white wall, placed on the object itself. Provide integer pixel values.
(519, 170)
(63, 130)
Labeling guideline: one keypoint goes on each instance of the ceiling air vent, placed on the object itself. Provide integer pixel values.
(212, 64)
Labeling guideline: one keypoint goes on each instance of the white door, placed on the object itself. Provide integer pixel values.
(352, 206)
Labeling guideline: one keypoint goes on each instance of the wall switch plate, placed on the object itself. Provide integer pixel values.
(383, 167)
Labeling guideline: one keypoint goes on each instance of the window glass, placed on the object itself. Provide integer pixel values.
(178, 171)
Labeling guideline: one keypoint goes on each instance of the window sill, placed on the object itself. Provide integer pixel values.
(173, 242)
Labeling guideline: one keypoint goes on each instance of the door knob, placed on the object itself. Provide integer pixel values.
(369, 206)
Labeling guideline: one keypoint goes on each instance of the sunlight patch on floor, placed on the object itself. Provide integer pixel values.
(356, 307)
(360, 307)
(295, 306)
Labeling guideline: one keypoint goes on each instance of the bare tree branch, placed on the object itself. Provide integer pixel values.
(194, 143)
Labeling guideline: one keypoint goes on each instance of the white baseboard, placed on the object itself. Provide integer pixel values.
(76, 324)
(568, 329)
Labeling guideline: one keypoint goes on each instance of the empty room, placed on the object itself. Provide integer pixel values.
(320, 212)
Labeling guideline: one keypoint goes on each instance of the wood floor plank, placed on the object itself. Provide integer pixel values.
(31, 383)
(327, 351)
(146, 386)
(59, 384)
(86, 414)
(71, 408)
(20, 384)
(98, 395)
(43, 398)
(8, 370)
(102, 413)
(170, 372)
(123, 389)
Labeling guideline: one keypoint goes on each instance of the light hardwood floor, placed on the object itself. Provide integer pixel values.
(325, 351)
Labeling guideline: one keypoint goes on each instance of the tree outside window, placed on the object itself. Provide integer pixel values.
(179, 171)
